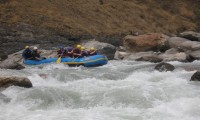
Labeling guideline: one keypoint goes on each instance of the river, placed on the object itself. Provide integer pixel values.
(121, 90)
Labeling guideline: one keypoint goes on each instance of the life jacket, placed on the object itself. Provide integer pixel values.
(70, 52)
(76, 51)
(62, 52)
(35, 55)
(84, 53)
(27, 54)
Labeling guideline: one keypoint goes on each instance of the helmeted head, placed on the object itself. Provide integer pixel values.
(27, 47)
(35, 48)
(82, 48)
(70, 48)
(92, 48)
(78, 46)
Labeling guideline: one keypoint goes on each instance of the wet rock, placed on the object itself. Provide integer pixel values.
(191, 35)
(147, 42)
(154, 59)
(139, 55)
(184, 44)
(121, 49)
(103, 48)
(120, 55)
(195, 55)
(13, 62)
(164, 67)
(10, 64)
(180, 56)
(16, 81)
(195, 76)
(171, 51)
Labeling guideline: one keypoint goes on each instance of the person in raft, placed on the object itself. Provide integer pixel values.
(62, 52)
(84, 53)
(36, 54)
(70, 52)
(27, 53)
(77, 51)
(92, 52)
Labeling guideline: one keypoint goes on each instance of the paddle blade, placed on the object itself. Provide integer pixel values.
(58, 60)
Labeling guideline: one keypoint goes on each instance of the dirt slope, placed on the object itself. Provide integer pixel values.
(80, 17)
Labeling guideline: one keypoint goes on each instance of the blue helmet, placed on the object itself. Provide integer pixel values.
(70, 48)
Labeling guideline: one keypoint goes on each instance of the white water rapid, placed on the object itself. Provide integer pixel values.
(121, 90)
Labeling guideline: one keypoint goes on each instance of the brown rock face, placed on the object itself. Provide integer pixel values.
(16, 81)
(141, 43)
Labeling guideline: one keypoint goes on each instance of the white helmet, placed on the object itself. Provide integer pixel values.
(35, 48)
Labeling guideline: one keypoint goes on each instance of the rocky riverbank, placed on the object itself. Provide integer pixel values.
(157, 47)
(154, 47)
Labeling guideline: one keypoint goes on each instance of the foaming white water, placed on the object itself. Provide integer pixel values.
(118, 91)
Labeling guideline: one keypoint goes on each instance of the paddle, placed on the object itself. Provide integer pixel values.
(76, 58)
(58, 61)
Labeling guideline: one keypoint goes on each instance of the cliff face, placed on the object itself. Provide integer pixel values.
(103, 17)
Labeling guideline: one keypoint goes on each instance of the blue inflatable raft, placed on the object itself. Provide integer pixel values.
(92, 61)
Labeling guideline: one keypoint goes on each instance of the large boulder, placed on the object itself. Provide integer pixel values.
(154, 59)
(184, 44)
(103, 48)
(16, 81)
(143, 56)
(120, 55)
(147, 42)
(164, 67)
(13, 61)
(191, 35)
(195, 76)
(195, 55)
(11, 64)
(174, 55)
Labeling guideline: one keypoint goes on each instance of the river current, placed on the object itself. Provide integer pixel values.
(120, 90)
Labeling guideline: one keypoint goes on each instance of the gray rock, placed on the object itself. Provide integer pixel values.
(138, 55)
(191, 35)
(13, 62)
(10, 64)
(182, 43)
(16, 81)
(195, 76)
(154, 59)
(164, 67)
(195, 55)
(180, 56)
(171, 51)
(103, 48)
(120, 55)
